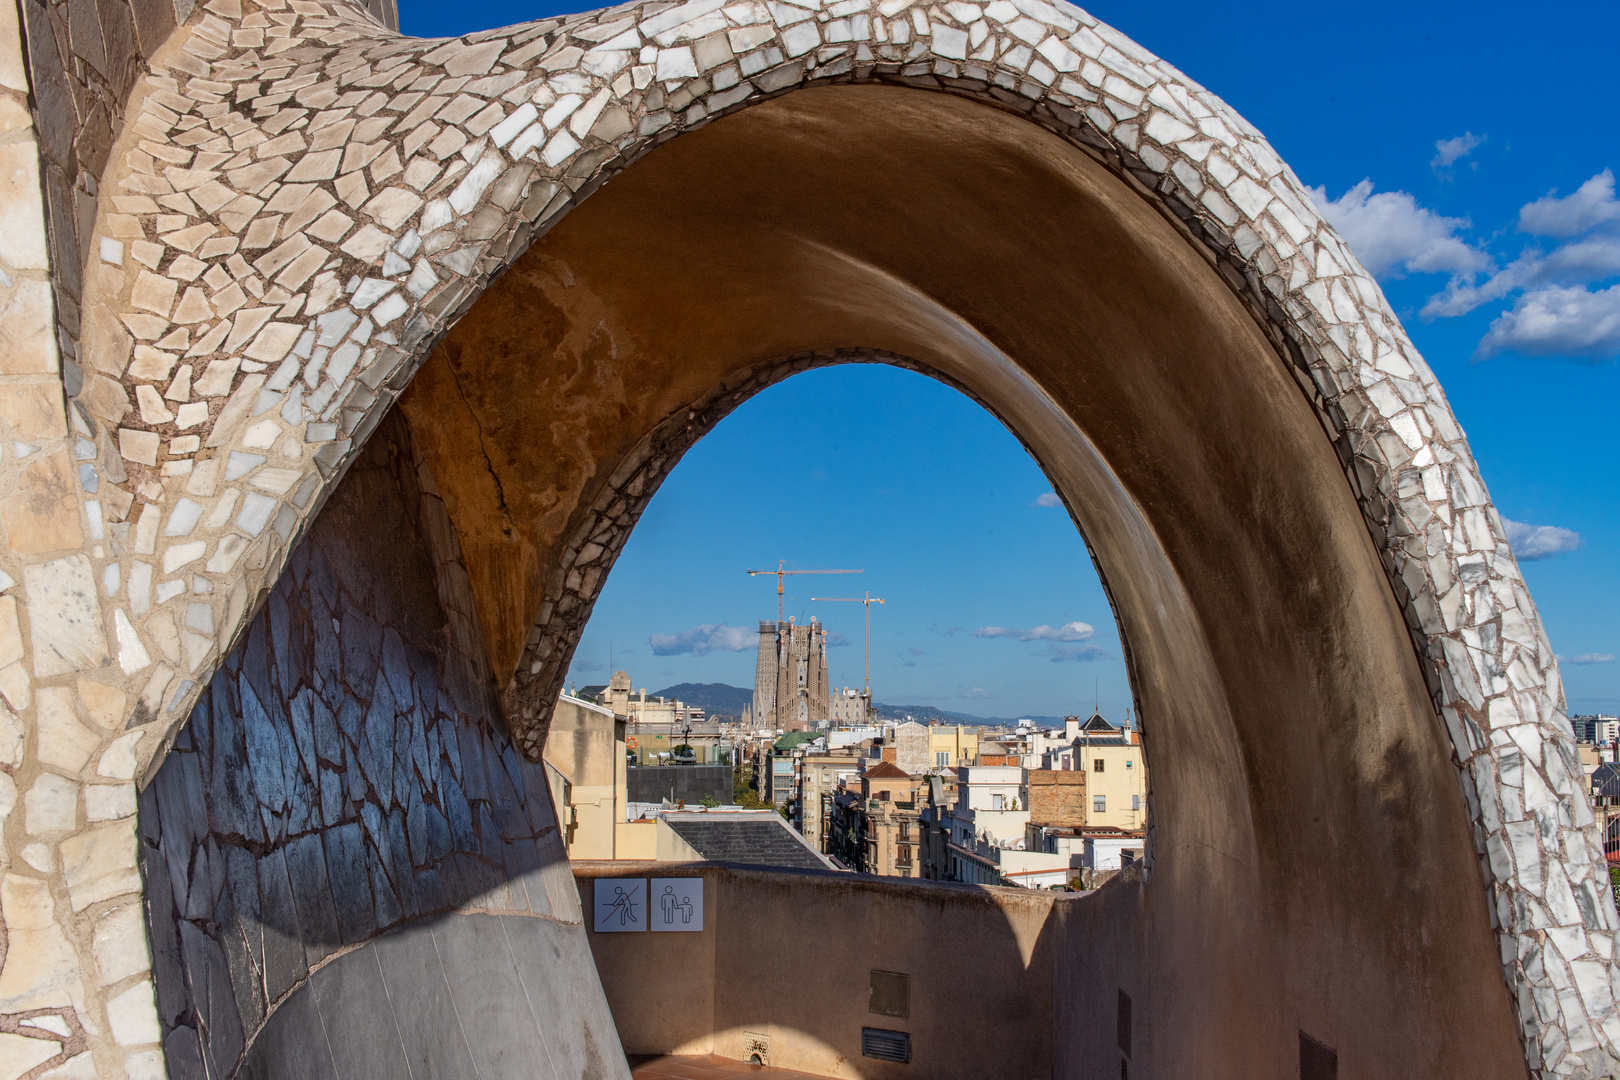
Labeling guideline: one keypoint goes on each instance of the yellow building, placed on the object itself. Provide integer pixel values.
(952, 746)
(1116, 774)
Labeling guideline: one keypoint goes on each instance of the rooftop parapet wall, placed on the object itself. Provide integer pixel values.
(980, 963)
(218, 411)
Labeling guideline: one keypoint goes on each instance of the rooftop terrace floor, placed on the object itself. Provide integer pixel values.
(706, 1067)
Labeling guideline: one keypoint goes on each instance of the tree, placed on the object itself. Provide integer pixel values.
(743, 791)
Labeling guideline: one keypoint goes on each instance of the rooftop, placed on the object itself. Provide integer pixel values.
(765, 840)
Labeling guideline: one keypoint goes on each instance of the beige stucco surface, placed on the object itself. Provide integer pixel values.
(980, 963)
(586, 743)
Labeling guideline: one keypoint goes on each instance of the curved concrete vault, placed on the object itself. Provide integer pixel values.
(1368, 823)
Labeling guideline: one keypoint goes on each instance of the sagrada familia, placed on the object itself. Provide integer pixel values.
(790, 678)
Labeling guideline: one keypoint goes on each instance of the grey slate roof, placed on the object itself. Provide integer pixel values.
(761, 842)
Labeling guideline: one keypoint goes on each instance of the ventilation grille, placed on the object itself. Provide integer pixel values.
(886, 1045)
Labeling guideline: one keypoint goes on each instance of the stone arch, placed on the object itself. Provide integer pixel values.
(541, 116)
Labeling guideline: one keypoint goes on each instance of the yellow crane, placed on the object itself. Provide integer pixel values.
(868, 600)
(781, 573)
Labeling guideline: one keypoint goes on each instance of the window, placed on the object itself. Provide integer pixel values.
(1136, 802)
(903, 855)
(1130, 764)
(998, 802)
(1097, 765)
(1099, 804)
(905, 830)
(883, 796)
(942, 758)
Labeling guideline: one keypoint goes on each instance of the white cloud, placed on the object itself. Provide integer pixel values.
(1078, 654)
(1558, 321)
(1589, 658)
(1074, 631)
(1591, 206)
(1392, 235)
(704, 639)
(1449, 151)
(1049, 499)
(973, 692)
(1531, 542)
(1558, 311)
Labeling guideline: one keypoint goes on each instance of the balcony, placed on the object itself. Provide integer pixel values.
(787, 964)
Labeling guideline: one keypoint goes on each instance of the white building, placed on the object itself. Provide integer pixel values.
(990, 803)
(852, 736)
(1112, 852)
(1038, 869)
(1607, 730)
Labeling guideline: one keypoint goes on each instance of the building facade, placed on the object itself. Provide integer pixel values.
(990, 803)
(952, 746)
(886, 837)
(911, 745)
(849, 707)
(586, 769)
(1056, 797)
(790, 680)
(821, 774)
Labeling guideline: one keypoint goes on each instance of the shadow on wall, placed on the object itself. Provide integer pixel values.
(796, 959)
(346, 773)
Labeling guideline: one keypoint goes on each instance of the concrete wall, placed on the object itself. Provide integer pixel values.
(980, 963)
(348, 867)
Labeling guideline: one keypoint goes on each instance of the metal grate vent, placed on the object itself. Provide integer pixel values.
(886, 1045)
(889, 993)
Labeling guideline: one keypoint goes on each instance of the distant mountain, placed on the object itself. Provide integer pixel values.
(927, 713)
(720, 699)
(714, 698)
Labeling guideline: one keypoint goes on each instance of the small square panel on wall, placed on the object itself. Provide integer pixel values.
(676, 904)
(621, 905)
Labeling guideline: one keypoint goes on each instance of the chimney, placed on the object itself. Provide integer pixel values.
(1071, 728)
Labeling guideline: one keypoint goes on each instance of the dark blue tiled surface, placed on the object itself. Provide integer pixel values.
(347, 772)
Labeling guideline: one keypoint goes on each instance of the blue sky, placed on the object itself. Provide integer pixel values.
(1466, 152)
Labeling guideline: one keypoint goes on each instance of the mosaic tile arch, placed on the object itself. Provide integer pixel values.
(302, 202)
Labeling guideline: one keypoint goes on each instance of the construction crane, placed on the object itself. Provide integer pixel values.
(781, 573)
(868, 600)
